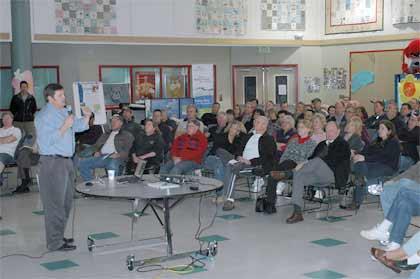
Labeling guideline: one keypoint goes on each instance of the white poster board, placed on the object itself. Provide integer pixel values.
(202, 80)
(90, 94)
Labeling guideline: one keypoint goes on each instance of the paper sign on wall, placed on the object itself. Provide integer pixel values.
(282, 89)
(91, 95)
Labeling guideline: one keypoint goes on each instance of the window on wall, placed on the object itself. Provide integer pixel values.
(42, 75)
(133, 83)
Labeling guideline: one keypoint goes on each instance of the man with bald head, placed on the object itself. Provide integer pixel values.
(330, 163)
(259, 151)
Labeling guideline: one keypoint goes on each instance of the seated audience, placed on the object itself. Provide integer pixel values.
(9, 140)
(299, 112)
(269, 106)
(377, 160)
(218, 128)
(390, 230)
(415, 105)
(187, 150)
(410, 139)
(231, 142)
(331, 112)
(250, 124)
(230, 116)
(247, 116)
(379, 115)
(164, 129)
(408, 257)
(192, 114)
(405, 112)
(318, 126)
(129, 125)
(259, 150)
(393, 116)
(286, 131)
(27, 157)
(86, 139)
(170, 122)
(330, 163)
(284, 106)
(209, 118)
(317, 106)
(340, 116)
(298, 150)
(237, 112)
(353, 134)
(150, 148)
(362, 113)
(308, 114)
(111, 150)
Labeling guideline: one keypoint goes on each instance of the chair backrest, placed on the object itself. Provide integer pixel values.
(21, 142)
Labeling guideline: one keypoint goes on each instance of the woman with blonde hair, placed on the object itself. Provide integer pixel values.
(353, 134)
(318, 127)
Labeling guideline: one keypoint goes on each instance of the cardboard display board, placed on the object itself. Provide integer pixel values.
(384, 64)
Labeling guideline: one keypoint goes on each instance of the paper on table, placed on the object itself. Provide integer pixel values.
(232, 162)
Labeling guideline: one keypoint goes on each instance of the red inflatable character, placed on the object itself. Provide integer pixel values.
(411, 63)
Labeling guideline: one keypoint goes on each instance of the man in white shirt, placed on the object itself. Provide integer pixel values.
(9, 139)
(259, 150)
(112, 150)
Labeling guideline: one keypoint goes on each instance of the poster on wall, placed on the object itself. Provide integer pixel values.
(281, 89)
(145, 87)
(91, 95)
(405, 11)
(278, 15)
(202, 80)
(407, 88)
(175, 82)
(312, 84)
(228, 17)
(349, 16)
(203, 104)
(116, 93)
(86, 16)
(335, 78)
(170, 105)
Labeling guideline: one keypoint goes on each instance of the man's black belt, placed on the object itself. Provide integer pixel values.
(57, 156)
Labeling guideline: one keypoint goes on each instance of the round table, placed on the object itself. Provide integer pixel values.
(141, 190)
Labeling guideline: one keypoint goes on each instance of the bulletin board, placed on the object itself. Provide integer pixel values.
(384, 64)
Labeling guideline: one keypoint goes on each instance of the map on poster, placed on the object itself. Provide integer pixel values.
(405, 11)
(345, 16)
(86, 16)
(335, 78)
(312, 84)
(91, 95)
(228, 17)
(282, 15)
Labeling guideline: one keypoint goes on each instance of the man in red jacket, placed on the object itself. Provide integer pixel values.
(187, 151)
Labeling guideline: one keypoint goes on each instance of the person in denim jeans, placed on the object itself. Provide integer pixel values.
(400, 200)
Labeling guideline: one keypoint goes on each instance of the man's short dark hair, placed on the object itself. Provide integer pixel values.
(408, 105)
(316, 100)
(49, 90)
(23, 82)
(216, 103)
(157, 110)
(229, 111)
(254, 100)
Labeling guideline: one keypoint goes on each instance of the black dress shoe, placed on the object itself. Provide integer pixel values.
(270, 209)
(67, 247)
(21, 190)
(405, 266)
(68, 240)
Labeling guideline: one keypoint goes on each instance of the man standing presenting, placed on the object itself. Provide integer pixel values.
(55, 130)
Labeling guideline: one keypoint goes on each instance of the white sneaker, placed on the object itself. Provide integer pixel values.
(375, 234)
(392, 247)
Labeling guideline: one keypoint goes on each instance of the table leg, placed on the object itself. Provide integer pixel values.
(168, 232)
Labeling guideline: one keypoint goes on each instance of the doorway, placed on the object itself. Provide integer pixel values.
(277, 83)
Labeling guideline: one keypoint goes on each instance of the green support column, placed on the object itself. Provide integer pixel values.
(21, 51)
